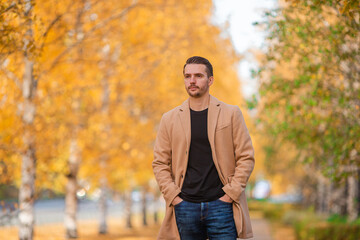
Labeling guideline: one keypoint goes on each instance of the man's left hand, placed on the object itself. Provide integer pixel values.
(226, 198)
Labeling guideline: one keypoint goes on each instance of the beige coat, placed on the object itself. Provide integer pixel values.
(232, 152)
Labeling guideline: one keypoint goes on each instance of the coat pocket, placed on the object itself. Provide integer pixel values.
(222, 126)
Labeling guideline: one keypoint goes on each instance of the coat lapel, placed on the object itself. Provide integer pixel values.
(213, 114)
(184, 115)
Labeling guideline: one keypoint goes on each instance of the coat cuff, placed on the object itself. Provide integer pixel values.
(234, 195)
(171, 196)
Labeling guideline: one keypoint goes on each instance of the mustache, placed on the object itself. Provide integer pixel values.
(191, 86)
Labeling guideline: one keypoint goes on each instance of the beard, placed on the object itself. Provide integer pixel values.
(198, 93)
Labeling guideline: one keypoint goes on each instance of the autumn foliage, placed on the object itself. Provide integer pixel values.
(103, 72)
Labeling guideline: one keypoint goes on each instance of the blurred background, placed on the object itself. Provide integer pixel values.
(83, 85)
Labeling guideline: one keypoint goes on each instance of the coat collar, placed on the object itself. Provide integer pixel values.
(213, 113)
(214, 102)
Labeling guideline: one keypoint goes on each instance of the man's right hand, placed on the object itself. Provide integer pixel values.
(176, 201)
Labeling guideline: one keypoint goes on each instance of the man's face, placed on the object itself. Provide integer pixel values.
(197, 82)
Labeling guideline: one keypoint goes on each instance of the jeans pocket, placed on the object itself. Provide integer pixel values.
(180, 203)
(224, 202)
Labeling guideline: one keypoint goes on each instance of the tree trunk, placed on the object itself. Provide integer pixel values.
(156, 217)
(144, 207)
(103, 207)
(128, 209)
(27, 189)
(338, 199)
(328, 191)
(105, 100)
(71, 188)
(28, 170)
(321, 189)
(71, 201)
(156, 208)
(352, 198)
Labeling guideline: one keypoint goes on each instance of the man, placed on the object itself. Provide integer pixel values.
(203, 158)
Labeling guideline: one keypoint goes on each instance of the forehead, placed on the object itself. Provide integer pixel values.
(195, 68)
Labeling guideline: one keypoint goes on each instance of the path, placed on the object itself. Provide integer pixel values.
(264, 230)
(261, 229)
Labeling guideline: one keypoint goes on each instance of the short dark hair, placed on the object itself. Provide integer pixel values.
(200, 60)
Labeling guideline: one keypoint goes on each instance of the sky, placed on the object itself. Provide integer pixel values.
(240, 16)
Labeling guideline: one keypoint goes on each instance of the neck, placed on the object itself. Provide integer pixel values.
(199, 104)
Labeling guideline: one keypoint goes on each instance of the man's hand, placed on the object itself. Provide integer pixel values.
(226, 198)
(176, 201)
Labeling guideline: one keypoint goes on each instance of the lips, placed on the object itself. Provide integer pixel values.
(193, 87)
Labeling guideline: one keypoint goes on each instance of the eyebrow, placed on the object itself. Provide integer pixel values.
(193, 74)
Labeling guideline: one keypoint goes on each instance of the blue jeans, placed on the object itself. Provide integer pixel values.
(200, 221)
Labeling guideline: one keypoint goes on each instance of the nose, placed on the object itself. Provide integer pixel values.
(192, 79)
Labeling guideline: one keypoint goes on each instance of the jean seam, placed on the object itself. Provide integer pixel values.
(203, 216)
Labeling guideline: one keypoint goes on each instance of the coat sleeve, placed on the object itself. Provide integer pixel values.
(244, 157)
(162, 164)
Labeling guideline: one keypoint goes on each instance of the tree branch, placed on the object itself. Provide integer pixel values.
(12, 76)
(8, 8)
(94, 28)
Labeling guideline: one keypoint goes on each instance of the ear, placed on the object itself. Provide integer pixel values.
(211, 81)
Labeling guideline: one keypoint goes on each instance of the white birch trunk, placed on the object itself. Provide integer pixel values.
(108, 61)
(104, 157)
(103, 208)
(28, 169)
(71, 189)
(71, 201)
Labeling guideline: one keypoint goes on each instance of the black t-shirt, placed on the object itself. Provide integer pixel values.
(202, 182)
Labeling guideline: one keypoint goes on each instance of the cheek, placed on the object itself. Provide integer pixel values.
(205, 84)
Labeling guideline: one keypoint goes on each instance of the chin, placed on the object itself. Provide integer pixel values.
(196, 95)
